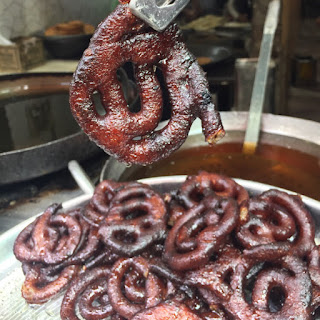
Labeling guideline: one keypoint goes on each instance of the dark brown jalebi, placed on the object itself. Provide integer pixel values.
(131, 300)
(214, 276)
(132, 137)
(89, 291)
(276, 217)
(135, 221)
(51, 239)
(228, 278)
(289, 276)
(89, 244)
(200, 232)
(99, 205)
(269, 223)
(42, 283)
(196, 187)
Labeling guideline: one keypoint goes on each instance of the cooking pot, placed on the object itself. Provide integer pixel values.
(288, 155)
(38, 133)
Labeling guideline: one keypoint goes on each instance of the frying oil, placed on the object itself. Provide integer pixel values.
(274, 165)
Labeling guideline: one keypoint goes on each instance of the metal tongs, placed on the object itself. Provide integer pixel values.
(158, 14)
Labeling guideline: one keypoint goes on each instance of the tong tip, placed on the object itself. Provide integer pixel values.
(157, 14)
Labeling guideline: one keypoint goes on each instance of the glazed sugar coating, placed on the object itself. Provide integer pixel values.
(195, 188)
(44, 282)
(99, 204)
(136, 220)
(211, 263)
(280, 224)
(132, 137)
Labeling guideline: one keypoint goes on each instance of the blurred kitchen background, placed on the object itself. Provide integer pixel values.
(22, 18)
(225, 37)
(41, 42)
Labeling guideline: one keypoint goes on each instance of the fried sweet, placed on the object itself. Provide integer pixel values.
(132, 137)
(256, 289)
(289, 276)
(99, 204)
(51, 239)
(89, 243)
(214, 276)
(279, 225)
(200, 232)
(142, 290)
(135, 221)
(43, 283)
(89, 292)
(196, 187)
(130, 263)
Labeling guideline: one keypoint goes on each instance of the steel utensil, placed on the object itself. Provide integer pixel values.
(81, 177)
(157, 13)
(259, 86)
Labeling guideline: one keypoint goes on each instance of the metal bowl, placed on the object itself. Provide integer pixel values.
(67, 46)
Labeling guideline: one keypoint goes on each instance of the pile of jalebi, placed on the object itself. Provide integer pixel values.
(204, 251)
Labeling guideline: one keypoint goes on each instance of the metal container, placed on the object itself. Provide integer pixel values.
(288, 155)
(37, 130)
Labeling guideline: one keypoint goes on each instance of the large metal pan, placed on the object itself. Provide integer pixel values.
(297, 139)
(38, 133)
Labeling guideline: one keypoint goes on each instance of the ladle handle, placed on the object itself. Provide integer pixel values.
(260, 81)
(80, 176)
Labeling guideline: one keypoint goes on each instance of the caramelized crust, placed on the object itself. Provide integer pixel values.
(134, 137)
